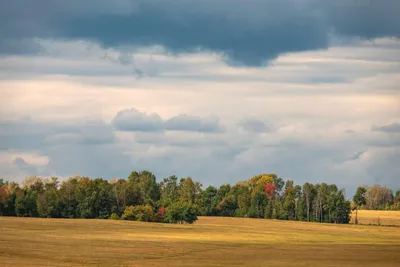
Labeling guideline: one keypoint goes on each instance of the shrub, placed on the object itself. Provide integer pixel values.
(143, 213)
(114, 216)
(160, 215)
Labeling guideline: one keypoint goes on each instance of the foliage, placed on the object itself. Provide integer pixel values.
(270, 190)
(180, 213)
(359, 197)
(175, 200)
(4, 197)
(143, 213)
(377, 196)
(114, 216)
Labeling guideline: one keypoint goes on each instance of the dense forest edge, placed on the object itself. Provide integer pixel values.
(140, 197)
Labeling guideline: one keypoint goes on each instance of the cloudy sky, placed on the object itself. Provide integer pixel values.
(218, 90)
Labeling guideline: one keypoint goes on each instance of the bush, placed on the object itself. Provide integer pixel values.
(180, 213)
(160, 215)
(143, 213)
(114, 216)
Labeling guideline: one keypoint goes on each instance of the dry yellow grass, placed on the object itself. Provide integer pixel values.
(376, 217)
(211, 241)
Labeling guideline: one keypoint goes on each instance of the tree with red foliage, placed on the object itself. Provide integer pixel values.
(270, 190)
(160, 215)
(162, 211)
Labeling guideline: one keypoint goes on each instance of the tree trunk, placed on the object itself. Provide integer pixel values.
(356, 221)
(308, 207)
(321, 215)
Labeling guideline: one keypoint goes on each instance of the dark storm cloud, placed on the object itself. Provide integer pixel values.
(20, 47)
(365, 18)
(132, 120)
(246, 32)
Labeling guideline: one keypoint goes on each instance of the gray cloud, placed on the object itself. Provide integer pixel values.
(385, 169)
(391, 128)
(21, 164)
(177, 139)
(135, 121)
(104, 161)
(337, 66)
(255, 126)
(29, 135)
(229, 156)
(21, 134)
(355, 156)
(82, 147)
(90, 133)
(193, 123)
(246, 32)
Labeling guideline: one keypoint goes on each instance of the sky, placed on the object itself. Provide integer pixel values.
(217, 90)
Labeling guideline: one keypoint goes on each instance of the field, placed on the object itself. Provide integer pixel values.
(376, 217)
(211, 241)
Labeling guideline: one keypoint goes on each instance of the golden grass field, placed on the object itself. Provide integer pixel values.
(211, 241)
(375, 217)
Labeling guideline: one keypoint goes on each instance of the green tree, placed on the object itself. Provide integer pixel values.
(308, 193)
(189, 191)
(4, 197)
(25, 205)
(119, 195)
(243, 199)
(227, 206)
(48, 205)
(169, 190)
(68, 198)
(222, 192)
(359, 200)
(142, 188)
(180, 213)
(208, 204)
(258, 204)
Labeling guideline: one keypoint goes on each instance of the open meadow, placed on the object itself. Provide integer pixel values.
(211, 241)
(376, 217)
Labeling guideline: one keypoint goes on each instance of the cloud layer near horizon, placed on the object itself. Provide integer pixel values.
(218, 90)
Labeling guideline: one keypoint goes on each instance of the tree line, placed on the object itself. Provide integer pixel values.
(375, 197)
(140, 197)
